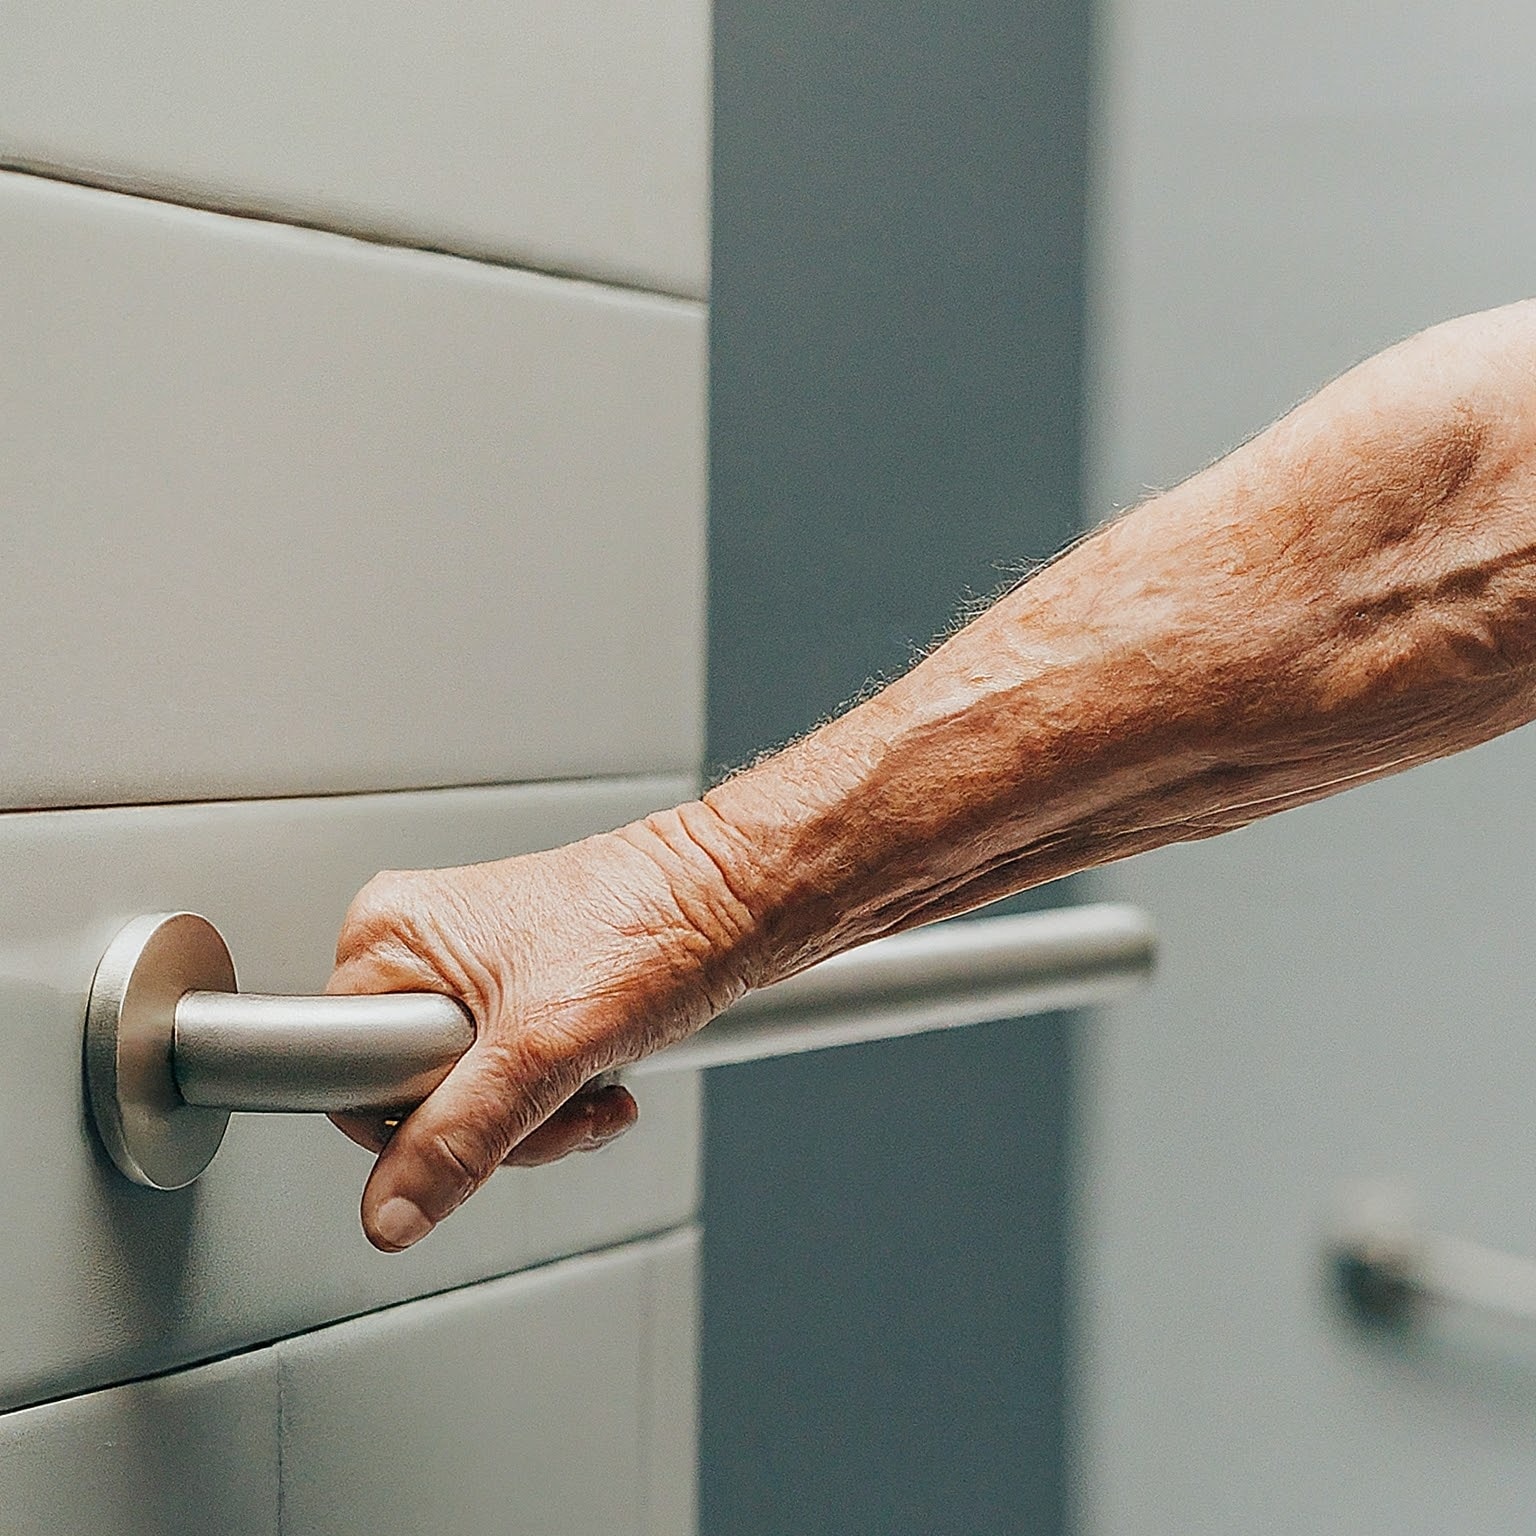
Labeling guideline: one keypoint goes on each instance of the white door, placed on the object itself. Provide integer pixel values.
(352, 381)
(1346, 992)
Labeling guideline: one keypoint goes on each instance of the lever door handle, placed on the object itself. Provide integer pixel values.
(172, 1047)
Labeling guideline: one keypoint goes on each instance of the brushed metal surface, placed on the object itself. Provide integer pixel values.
(229, 1051)
(946, 977)
(1393, 1270)
(145, 1122)
(289, 1055)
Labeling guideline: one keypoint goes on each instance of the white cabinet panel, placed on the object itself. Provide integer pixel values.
(1335, 181)
(569, 138)
(192, 1454)
(101, 1280)
(282, 512)
(1344, 993)
(547, 1404)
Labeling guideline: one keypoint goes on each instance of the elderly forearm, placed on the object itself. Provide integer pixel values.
(1352, 592)
(1349, 594)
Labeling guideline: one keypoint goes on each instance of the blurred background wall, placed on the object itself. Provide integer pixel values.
(1346, 992)
(897, 368)
(1075, 1274)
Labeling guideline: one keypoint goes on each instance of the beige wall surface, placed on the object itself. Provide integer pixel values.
(569, 139)
(282, 512)
(100, 1280)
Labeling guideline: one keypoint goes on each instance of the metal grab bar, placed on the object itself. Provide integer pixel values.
(944, 977)
(1389, 1267)
(172, 1048)
(284, 1055)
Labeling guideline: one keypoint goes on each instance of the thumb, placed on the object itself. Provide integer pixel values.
(452, 1142)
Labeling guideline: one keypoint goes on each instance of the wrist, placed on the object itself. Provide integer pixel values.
(713, 895)
(822, 831)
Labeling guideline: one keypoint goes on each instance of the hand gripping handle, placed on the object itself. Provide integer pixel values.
(172, 1047)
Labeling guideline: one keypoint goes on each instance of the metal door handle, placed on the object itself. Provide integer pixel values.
(172, 1047)
(1389, 1267)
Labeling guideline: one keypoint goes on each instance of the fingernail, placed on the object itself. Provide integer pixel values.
(400, 1222)
(598, 1136)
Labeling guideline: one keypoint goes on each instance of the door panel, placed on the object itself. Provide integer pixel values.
(1345, 992)
(286, 513)
(546, 1404)
(101, 1280)
(573, 139)
(191, 1454)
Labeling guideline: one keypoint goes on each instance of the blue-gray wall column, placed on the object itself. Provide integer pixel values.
(897, 364)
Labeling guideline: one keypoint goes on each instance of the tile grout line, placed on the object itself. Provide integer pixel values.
(646, 1235)
(256, 213)
(577, 781)
(282, 1441)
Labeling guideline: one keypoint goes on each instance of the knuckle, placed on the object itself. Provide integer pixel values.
(457, 1162)
(371, 914)
(393, 927)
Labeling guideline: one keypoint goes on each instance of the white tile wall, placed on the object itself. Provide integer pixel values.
(101, 1280)
(571, 138)
(558, 1402)
(285, 513)
(541, 1403)
(193, 1454)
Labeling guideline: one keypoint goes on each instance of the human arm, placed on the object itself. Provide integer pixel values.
(1350, 593)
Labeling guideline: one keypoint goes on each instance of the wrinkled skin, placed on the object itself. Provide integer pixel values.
(1350, 593)
(572, 962)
